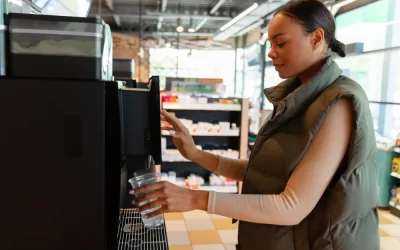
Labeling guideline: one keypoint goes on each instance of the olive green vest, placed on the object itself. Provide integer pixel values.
(346, 216)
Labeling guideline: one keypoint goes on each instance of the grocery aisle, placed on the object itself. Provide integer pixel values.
(197, 230)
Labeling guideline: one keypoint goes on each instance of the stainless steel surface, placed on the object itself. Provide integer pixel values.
(133, 235)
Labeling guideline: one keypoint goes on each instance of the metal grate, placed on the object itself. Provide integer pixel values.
(132, 235)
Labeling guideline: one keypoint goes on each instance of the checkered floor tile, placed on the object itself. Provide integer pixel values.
(198, 230)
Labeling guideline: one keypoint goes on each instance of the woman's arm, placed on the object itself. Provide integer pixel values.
(231, 168)
(305, 186)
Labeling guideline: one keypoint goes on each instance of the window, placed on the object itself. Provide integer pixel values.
(271, 79)
(252, 73)
(386, 119)
(375, 25)
(239, 72)
(64, 7)
(194, 64)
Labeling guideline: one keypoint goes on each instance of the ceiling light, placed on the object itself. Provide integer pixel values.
(240, 16)
(191, 26)
(201, 23)
(216, 6)
(179, 27)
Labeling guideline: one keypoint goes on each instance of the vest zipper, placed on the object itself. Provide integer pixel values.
(274, 117)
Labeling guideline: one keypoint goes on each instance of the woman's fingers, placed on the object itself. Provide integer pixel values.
(172, 131)
(172, 120)
(170, 198)
(152, 204)
(148, 188)
(162, 210)
(149, 196)
(167, 128)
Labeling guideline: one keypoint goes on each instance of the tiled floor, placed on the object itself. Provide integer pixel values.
(197, 230)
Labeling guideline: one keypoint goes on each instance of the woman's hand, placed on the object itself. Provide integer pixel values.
(180, 136)
(170, 197)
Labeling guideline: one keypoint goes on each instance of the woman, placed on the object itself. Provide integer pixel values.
(310, 182)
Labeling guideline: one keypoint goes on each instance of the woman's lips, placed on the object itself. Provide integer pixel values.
(278, 66)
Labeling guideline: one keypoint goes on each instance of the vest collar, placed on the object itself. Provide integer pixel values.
(291, 96)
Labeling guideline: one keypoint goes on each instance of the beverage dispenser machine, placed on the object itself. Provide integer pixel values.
(67, 148)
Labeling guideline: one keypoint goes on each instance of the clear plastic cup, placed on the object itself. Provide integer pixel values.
(142, 180)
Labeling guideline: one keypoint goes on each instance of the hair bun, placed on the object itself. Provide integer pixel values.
(338, 47)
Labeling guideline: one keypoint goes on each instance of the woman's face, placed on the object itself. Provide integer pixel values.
(292, 51)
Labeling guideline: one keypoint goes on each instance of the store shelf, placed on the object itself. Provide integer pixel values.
(205, 107)
(394, 210)
(396, 175)
(396, 149)
(166, 133)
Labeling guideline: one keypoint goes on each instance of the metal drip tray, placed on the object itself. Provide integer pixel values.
(132, 235)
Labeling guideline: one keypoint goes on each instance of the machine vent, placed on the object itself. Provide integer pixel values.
(132, 235)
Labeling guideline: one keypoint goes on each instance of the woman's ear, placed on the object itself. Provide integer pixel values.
(318, 38)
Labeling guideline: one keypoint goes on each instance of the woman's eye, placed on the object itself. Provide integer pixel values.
(280, 45)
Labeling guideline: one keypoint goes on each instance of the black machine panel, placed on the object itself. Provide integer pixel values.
(54, 166)
(140, 109)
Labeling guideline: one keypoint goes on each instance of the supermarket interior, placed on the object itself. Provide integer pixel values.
(88, 79)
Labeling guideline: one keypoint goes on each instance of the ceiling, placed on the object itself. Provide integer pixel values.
(159, 18)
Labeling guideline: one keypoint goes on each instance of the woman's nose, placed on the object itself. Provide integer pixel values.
(272, 54)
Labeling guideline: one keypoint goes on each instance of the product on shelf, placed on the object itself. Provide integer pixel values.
(234, 154)
(172, 176)
(398, 140)
(163, 145)
(384, 143)
(396, 165)
(216, 180)
(169, 98)
(395, 200)
(173, 155)
(194, 181)
(196, 99)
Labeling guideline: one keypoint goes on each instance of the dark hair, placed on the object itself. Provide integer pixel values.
(313, 14)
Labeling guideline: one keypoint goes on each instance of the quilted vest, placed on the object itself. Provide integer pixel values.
(346, 217)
